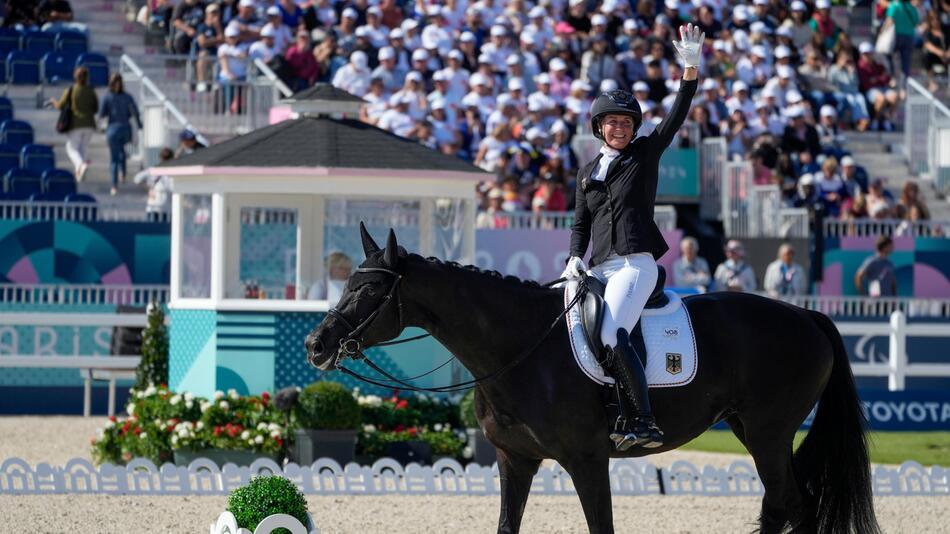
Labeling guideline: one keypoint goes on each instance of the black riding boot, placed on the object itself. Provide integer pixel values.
(624, 365)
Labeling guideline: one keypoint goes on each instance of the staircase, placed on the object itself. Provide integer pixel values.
(882, 155)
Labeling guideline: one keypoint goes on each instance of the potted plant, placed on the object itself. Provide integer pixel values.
(268, 502)
(482, 450)
(327, 418)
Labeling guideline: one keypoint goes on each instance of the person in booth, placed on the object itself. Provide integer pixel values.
(615, 200)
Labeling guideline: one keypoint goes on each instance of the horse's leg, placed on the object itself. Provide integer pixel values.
(516, 474)
(592, 482)
(772, 451)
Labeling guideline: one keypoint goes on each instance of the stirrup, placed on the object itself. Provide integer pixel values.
(644, 434)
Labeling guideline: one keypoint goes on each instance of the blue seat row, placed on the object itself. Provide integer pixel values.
(32, 68)
(16, 133)
(37, 158)
(41, 42)
(53, 184)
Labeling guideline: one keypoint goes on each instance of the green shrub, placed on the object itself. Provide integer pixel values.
(327, 406)
(467, 410)
(153, 368)
(265, 496)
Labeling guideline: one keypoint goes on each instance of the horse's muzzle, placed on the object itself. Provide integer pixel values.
(316, 353)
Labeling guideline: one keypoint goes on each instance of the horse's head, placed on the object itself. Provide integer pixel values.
(369, 310)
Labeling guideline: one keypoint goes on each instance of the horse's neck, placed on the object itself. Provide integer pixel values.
(483, 321)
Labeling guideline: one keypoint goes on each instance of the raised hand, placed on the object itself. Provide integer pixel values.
(690, 45)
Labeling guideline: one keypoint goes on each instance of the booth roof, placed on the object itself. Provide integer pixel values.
(325, 92)
(322, 142)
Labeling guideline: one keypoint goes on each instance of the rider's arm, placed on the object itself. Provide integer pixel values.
(663, 135)
(580, 232)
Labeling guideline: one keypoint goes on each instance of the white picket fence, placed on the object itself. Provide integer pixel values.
(444, 477)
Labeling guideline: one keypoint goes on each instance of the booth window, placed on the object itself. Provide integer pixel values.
(342, 248)
(196, 246)
(268, 244)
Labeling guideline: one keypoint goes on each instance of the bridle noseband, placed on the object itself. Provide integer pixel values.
(351, 345)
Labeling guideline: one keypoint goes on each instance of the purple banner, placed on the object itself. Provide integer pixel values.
(540, 254)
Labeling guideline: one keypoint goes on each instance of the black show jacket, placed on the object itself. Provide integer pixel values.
(618, 212)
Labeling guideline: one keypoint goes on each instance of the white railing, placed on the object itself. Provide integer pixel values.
(712, 158)
(750, 210)
(736, 179)
(108, 211)
(70, 294)
(840, 307)
(927, 135)
(898, 366)
(162, 121)
(664, 216)
(265, 71)
(889, 227)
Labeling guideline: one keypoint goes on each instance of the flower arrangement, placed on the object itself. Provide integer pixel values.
(161, 421)
(406, 418)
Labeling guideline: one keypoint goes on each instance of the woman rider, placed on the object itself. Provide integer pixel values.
(615, 199)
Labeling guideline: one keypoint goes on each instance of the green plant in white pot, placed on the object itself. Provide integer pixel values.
(327, 418)
(266, 505)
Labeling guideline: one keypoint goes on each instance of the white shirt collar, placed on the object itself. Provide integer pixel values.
(609, 152)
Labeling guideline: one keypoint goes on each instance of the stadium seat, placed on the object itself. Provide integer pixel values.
(98, 67)
(37, 158)
(73, 43)
(37, 42)
(58, 67)
(9, 159)
(6, 109)
(21, 183)
(9, 41)
(16, 133)
(58, 184)
(23, 68)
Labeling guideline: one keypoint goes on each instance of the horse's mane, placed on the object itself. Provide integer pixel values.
(514, 280)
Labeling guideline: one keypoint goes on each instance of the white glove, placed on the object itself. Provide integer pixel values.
(690, 46)
(574, 268)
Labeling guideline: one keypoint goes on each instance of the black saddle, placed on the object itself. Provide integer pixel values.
(593, 306)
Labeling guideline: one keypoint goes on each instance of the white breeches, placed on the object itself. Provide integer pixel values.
(630, 280)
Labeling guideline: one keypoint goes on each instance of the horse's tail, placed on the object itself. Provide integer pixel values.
(832, 464)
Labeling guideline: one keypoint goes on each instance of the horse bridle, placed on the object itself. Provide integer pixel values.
(351, 345)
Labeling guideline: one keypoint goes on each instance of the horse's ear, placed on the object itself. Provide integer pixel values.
(369, 246)
(391, 255)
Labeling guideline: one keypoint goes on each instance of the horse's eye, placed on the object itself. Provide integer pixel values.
(371, 291)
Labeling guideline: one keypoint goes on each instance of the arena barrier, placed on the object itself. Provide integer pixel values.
(445, 477)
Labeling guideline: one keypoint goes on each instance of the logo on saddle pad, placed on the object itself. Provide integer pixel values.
(674, 363)
(671, 332)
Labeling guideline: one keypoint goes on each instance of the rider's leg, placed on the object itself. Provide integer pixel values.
(630, 280)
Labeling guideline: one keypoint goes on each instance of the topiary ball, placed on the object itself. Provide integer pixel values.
(265, 496)
(467, 410)
(328, 406)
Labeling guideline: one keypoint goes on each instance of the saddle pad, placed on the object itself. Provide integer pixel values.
(667, 333)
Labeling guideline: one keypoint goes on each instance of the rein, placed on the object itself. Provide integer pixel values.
(351, 346)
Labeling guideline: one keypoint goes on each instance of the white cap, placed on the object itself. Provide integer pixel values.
(375, 11)
(806, 179)
(534, 106)
(438, 103)
(630, 24)
(528, 38)
(467, 37)
(759, 27)
(485, 58)
(542, 79)
(350, 13)
(273, 11)
(396, 33)
(471, 100)
(609, 6)
(559, 126)
(386, 52)
(609, 84)
(719, 44)
(760, 51)
(537, 12)
(434, 11)
(784, 71)
(647, 106)
(580, 85)
(793, 97)
(557, 64)
(822, 4)
(503, 100)
(512, 60)
(784, 31)
(359, 59)
(430, 40)
(534, 133)
(267, 31)
(420, 54)
(498, 31)
(798, 5)
(477, 79)
(740, 12)
(456, 54)
(576, 2)
(671, 4)
(828, 111)
(440, 76)
(866, 48)
(760, 2)
(246, 3)
(794, 112)
(710, 84)
(740, 86)
(848, 161)
(641, 86)
(414, 76)
(598, 20)
(759, 104)
(768, 92)
(232, 31)
(362, 31)
(515, 84)
(782, 52)
(575, 106)
(408, 24)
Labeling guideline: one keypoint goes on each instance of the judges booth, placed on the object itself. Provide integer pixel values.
(265, 231)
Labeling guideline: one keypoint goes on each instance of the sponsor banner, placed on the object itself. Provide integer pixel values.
(909, 410)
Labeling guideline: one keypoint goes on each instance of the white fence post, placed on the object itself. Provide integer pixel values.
(897, 358)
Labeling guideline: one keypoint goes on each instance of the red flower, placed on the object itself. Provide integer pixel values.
(137, 430)
(402, 404)
(112, 418)
(265, 397)
(217, 431)
(280, 442)
(125, 428)
(399, 428)
(413, 431)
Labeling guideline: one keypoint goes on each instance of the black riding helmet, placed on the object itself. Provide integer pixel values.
(614, 103)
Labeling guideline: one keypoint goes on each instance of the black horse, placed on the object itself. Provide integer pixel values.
(763, 365)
